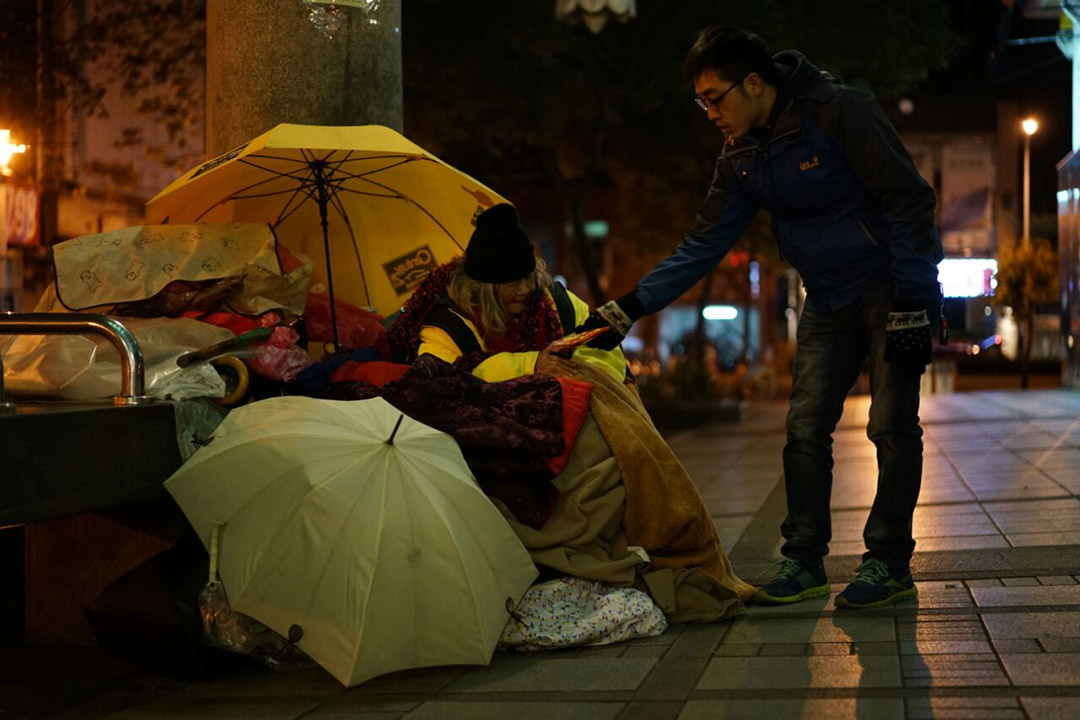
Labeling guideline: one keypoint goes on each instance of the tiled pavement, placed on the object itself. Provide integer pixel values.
(995, 632)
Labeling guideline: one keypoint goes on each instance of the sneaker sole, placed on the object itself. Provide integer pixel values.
(842, 602)
(763, 598)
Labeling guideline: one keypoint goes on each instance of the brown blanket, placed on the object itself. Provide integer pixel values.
(663, 512)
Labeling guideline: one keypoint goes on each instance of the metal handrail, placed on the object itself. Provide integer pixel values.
(132, 369)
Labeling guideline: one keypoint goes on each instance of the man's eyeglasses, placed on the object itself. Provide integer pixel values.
(714, 103)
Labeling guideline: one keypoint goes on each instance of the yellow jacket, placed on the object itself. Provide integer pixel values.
(506, 365)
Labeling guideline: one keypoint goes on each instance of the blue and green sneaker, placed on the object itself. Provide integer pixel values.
(876, 586)
(794, 581)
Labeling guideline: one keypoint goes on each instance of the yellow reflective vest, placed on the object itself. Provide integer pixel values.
(507, 365)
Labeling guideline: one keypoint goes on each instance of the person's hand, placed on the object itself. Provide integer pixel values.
(431, 367)
(618, 316)
(908, 341)
(548, 353)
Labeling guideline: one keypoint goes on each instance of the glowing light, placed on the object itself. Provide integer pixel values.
(720, 312)
(1030, 125)
(967, 277)
(7, 149)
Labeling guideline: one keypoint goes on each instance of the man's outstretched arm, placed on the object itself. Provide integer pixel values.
(721, 220)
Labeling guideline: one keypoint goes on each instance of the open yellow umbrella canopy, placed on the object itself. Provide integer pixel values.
(356, 529)
(380, 210)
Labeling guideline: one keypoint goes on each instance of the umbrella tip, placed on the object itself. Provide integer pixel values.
(390, 440)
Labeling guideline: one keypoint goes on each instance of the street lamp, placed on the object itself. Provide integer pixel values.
(1030, 125)
(7, 149)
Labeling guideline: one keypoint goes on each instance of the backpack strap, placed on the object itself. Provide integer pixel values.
(442, 316)
(564, 307)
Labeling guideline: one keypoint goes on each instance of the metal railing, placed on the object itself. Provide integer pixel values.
(132, 369)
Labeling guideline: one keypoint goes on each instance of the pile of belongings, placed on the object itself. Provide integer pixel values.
(179, 289)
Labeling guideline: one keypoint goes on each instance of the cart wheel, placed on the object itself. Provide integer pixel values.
(236, 377)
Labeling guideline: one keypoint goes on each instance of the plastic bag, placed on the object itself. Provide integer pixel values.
(87, 367)
(235, 632)
(279, 358)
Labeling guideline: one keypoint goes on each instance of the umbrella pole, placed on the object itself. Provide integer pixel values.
(324, 201)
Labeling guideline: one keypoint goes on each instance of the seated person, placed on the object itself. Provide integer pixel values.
(496, 310)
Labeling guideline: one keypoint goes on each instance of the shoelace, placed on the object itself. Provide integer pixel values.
(871, 572)
(788, 568)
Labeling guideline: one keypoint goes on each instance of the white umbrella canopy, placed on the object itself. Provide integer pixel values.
(358, 525)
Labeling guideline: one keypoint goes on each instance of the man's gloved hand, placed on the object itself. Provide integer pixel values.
(908, 341)
(618, 316)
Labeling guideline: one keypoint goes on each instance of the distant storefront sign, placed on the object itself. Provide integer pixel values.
(18, 214)
(967, 277)
(967, 176)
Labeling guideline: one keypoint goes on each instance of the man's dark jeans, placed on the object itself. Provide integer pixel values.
(832, 348)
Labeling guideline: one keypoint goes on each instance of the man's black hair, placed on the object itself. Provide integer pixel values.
(732, 53)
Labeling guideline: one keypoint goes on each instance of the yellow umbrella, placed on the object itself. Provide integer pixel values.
(380, 210)
(356, 531)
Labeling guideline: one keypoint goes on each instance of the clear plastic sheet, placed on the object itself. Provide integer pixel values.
(78, 367)
(235, 632)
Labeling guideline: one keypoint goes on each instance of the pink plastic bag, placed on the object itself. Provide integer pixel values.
(279, 358)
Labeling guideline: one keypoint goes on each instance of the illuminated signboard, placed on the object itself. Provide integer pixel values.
(967, 277)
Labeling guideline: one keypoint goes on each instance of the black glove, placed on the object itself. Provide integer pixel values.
(908, 341)
(618, 316)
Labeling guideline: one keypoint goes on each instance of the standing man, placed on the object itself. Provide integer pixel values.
(852, 215)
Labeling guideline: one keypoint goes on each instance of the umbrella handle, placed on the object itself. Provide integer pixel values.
(214, 539)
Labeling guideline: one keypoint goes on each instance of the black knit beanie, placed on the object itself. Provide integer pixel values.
(499, 250)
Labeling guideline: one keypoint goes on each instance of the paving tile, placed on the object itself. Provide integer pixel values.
(730, 528)
(1033, 625)
(1044, 539)
(674, 676)
(263, 683)
(1018, 488)
(835, 648)
(862, 708)
(551, 674)
(943, 647)
(960, 542)
(818, 671)
(1050, 708)
(1019, 581)
(874, 648)
(477, 710)
(357, 705)
(1046, 669)
(964, 670)
(280, 710)
(1060, 644)
(651, 710)
(1041, 595)
(964, 708)
(940, 627)
(727, 649)
(984, 582)
(782, 649)
(1053, 458)
(1017, 645)
(803, 630)
(813, 606)
(644, 651)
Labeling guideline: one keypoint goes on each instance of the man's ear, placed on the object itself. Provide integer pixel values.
(753, 84)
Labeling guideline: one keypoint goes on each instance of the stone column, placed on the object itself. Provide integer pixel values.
(267, 64)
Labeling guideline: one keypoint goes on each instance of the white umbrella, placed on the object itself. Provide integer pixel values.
(357, 529)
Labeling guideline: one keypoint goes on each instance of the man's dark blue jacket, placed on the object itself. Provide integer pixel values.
(849, 209)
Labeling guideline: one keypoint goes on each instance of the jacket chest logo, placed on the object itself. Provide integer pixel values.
(809, 164)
